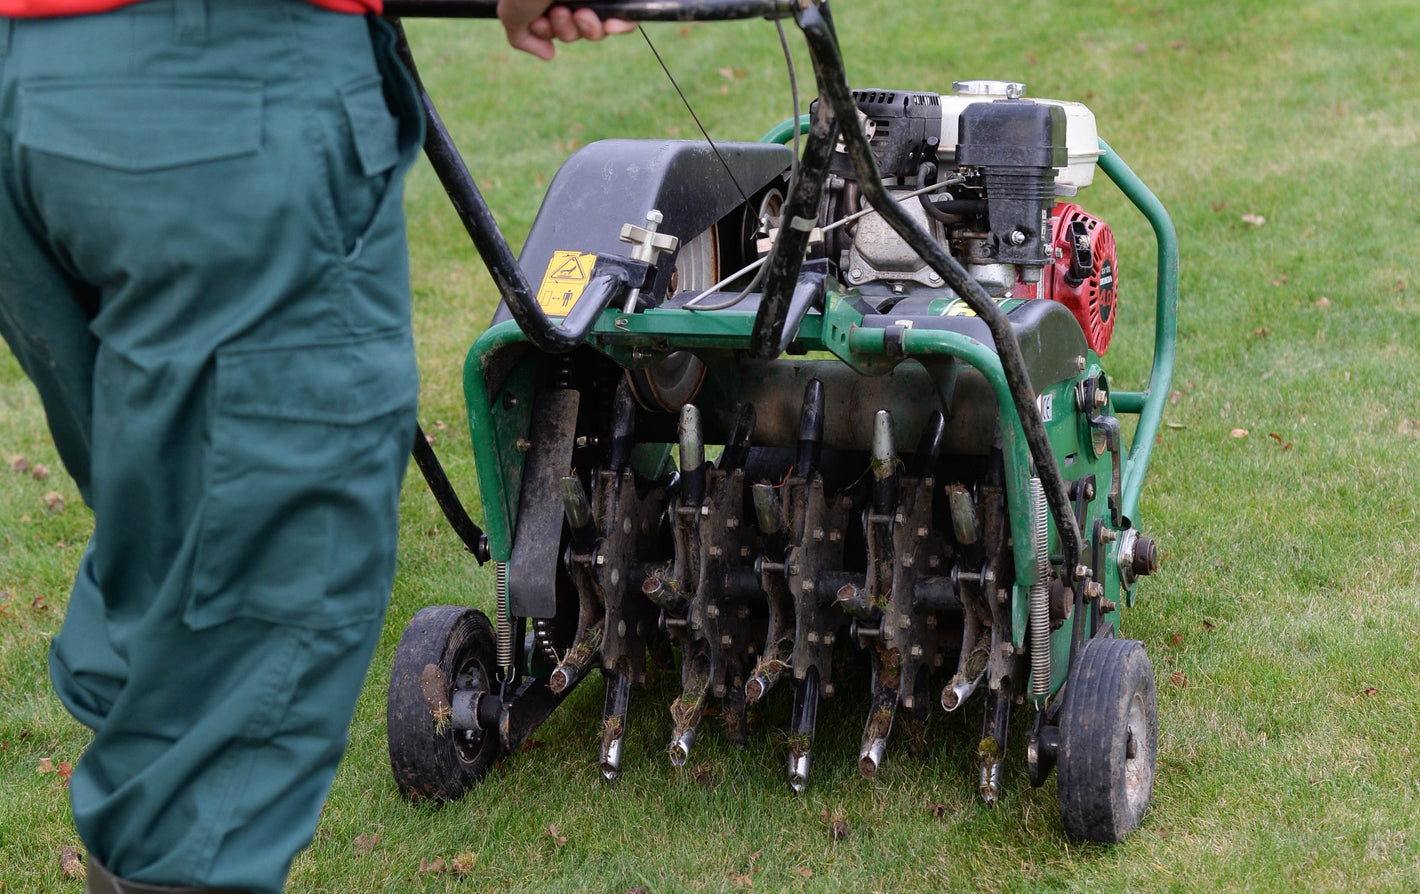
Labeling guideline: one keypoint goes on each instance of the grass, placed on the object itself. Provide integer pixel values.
(1282, 625)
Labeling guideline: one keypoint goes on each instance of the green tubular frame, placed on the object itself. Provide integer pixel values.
(1149, 403)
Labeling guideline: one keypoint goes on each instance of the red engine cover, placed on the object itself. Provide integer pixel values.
(1085, 271)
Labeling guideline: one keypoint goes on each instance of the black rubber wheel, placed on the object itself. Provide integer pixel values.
(1109, 732)
(428, 757)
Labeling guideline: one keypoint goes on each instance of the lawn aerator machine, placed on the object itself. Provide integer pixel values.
(784, 416)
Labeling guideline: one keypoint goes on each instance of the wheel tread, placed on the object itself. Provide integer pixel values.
(1093, 803)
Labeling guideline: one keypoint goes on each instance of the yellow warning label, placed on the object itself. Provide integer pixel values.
(567, 275)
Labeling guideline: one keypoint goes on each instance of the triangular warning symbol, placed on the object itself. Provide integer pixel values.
(570, 268)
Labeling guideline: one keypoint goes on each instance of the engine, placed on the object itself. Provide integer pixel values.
(1001, 166)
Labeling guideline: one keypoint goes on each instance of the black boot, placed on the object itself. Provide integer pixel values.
(98, 880)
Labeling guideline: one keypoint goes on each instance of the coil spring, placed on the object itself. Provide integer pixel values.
(504, 622)
(1040, 593)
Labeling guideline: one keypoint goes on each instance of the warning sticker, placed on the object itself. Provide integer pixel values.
(567, 275)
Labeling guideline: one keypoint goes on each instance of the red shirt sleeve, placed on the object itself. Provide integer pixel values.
(21, 9)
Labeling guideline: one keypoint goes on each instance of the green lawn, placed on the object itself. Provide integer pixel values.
(1282, 625)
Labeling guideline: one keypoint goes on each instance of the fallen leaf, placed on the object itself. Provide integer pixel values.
(366, 841)
(1399, 286)
(744, 879)
(19, 463)
(65, 770)
(71, 862)
(1323, 302)
(439, 424)
(802, 872)
(1370, 690)
(1140, 49)
(40, 471)
(1286, 445)
(46, 766)
(937, 809)
(552, 833)
(531, 745)
(433, 866)
(1178, 679)
(54, 501)
(1238, 432)
(1254, 220)
(1176, 639)
(1176, 426)
(38, 603)
(1281, 280)
(1218, 206)
(463, 863)
(1207, 625)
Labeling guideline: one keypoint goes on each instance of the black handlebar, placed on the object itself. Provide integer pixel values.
(632, 10)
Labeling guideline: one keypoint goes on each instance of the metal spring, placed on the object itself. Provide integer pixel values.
(504, 622)
(1040, 593)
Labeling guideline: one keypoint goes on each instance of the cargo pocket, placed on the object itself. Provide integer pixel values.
(308, 449)
(140, 125)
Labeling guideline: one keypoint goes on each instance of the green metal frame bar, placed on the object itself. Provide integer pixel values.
(498, 514)
(1149, 403)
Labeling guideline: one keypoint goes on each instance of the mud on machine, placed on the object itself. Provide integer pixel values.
(780, 415)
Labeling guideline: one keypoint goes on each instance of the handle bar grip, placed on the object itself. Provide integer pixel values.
(631, 10)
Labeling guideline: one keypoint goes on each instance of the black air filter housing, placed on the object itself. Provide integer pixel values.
(1017, 144)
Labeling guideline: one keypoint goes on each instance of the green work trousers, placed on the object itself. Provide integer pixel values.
(203, 269)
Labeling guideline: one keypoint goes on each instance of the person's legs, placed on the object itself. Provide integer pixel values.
(223, 176)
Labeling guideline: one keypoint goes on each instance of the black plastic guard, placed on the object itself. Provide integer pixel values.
(537, 537)
(613, 182)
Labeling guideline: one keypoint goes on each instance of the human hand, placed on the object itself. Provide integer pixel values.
(532, 25)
